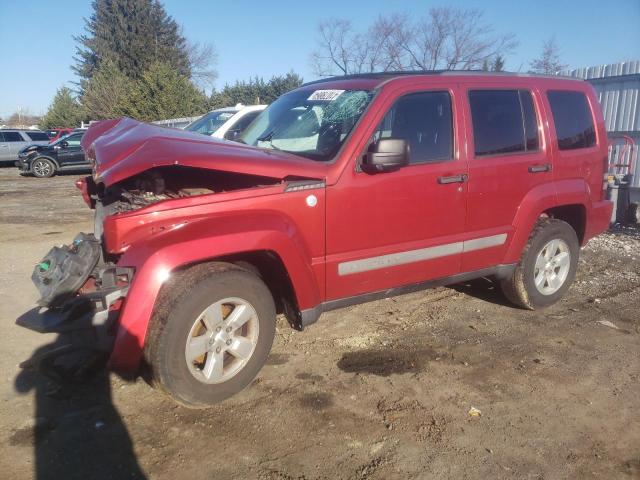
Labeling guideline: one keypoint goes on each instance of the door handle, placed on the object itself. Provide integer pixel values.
(540, 168)
(453, 179)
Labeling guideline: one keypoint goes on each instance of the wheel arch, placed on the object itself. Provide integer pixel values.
(574, 214)
(270, 268)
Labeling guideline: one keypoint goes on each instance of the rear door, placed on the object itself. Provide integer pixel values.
(403, 227)
(508, 160)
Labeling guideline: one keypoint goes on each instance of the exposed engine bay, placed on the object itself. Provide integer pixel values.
(166, 183)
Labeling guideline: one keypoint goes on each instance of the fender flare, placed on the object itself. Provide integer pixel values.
(538, 200)
(155, 259)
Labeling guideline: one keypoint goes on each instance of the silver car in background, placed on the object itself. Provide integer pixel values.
(13, 140)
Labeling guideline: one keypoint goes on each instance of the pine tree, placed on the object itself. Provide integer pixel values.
(162, 92)
(498, 64)
(132, 34)
(281, 84)
(254, 91)
(64, 111)
(549, 62)
(107, 93)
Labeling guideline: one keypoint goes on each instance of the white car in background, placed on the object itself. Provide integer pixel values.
(226, 122)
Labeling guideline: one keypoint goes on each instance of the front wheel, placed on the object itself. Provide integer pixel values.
(43, 168)
(547, 266)
(212, 334)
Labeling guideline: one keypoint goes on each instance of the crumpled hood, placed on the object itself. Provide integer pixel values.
(122, 148)
(35, 147)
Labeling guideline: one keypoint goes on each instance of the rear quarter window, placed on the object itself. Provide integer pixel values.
(573, 119)
(38, 136)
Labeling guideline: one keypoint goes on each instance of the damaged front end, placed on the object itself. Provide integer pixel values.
(80, 296)
(151, 188)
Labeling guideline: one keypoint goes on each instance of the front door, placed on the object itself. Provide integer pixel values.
(72, 154)
(398, 228)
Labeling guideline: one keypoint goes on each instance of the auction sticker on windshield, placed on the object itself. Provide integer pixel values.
(325, 95)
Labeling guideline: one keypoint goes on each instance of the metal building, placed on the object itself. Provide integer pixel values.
(618, 87)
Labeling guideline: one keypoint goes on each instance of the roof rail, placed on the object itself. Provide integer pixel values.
(401, 73)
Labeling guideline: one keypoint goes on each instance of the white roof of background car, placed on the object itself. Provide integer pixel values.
(238, 107)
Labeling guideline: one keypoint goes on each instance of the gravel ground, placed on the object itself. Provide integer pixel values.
(448, 383)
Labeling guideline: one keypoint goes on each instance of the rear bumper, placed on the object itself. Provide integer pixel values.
(599, 219)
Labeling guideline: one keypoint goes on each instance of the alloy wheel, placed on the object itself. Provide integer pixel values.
(222, 340)
(552, 266)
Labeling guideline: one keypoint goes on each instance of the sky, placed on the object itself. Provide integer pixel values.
(272, 37)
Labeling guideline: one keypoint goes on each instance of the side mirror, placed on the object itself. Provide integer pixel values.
(232, 134)
(63, 144)
(386, 155)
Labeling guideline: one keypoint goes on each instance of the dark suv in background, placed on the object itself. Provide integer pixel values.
(14, 140)
(46, 160)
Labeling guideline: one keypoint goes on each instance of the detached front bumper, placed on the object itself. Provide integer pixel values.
(80, 301)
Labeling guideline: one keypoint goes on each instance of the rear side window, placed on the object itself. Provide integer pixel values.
(573, 120)
(12, 137)
(425, 121)
(504, 121)
(38, 136)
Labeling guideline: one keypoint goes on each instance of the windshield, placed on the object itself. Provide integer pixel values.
(313, 124)
(209, 123)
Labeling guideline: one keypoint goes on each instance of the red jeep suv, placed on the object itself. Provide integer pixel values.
(343, 191)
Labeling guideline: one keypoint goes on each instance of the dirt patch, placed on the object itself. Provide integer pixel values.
(377, 391)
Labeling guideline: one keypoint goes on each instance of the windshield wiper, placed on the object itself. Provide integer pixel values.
(269, 138)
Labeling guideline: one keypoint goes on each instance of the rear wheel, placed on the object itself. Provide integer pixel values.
(214, 336)
(43, 168)
(547, 266)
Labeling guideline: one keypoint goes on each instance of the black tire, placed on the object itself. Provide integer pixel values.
(184, 298)
(520, 288)
(43, 168)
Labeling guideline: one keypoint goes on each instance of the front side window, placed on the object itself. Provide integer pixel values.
(504, 121)
(313, 124)
(573, 120)
(209, 123)
(73, 140)
(424, 120)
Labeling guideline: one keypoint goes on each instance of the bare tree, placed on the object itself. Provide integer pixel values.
(337, 47)
(22, 117)
(549, 62)
(446, 38)
(203, 59)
